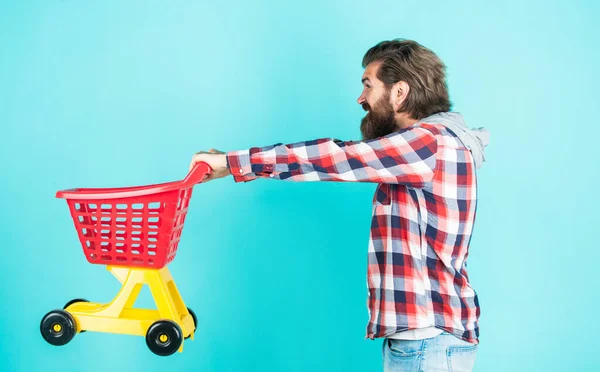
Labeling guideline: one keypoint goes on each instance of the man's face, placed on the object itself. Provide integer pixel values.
(375, 99)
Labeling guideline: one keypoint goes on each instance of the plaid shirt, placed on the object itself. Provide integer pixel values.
(422, 220)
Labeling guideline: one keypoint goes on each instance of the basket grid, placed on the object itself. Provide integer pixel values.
(142, 232)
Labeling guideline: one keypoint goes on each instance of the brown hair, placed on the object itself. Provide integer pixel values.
(420, 68)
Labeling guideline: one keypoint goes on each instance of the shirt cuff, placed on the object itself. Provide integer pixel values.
(239, 166)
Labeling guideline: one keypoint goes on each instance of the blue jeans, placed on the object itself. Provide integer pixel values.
(445, 352)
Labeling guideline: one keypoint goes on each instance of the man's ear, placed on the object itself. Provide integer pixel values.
(399, 93)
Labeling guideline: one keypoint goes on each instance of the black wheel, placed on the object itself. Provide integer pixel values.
(195, 321)
(164, 337)
(74, 301)
(58, 327)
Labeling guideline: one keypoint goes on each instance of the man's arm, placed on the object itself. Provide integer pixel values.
(407, 156)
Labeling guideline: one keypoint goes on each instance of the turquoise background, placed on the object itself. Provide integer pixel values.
(119, 93)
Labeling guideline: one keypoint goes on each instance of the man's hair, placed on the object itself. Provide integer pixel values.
(420, 68)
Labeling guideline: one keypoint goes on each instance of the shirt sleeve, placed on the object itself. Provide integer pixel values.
(407, 156)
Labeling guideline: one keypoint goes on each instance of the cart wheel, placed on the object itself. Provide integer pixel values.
(195, 321)
(164, 337)
(58, 327)
(73, 302)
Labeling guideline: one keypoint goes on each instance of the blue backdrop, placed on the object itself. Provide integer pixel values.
(114, 93)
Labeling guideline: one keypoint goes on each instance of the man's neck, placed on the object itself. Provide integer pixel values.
(404, 121)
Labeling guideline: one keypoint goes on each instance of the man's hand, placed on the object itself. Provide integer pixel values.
(217, 161)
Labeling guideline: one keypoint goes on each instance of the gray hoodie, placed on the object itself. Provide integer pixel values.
(475, 139)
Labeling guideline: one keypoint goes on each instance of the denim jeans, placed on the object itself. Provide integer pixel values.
(445, 352)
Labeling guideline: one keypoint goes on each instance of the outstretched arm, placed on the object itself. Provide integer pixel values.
(407, 156)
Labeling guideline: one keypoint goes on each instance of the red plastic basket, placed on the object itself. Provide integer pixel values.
(132, 226)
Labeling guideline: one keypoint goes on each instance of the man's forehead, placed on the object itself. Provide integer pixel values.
(371, 71)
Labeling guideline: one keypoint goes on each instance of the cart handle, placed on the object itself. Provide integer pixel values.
(195, 176)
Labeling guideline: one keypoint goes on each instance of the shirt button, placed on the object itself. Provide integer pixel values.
(241, 171)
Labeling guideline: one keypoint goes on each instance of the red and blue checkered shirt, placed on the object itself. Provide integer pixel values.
(423, 214)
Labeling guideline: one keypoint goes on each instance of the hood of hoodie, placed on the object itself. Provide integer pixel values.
(475, 139)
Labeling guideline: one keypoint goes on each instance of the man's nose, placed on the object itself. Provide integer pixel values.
(361, 99)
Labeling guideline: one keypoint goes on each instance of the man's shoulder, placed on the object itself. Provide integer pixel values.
(435, 129)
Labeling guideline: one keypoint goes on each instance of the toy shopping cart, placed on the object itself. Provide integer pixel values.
(135, 232)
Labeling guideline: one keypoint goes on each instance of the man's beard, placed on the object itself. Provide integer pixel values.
(379, 121)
